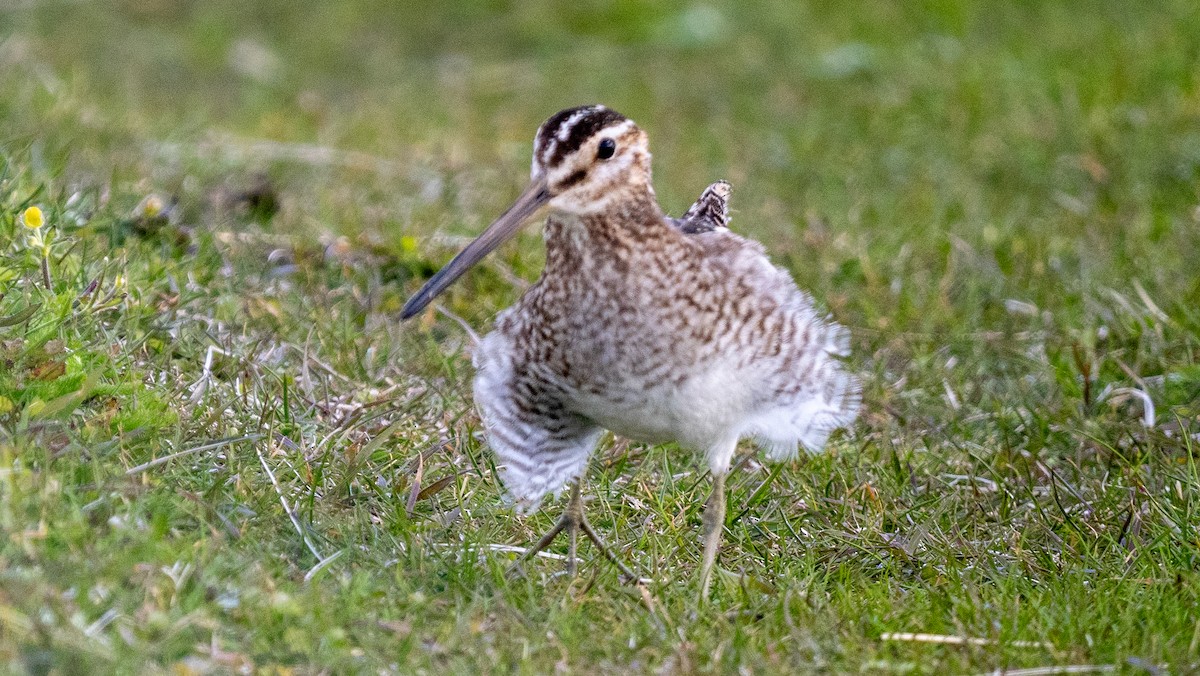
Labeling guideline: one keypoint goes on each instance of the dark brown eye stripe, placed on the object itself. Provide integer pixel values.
(571, 180)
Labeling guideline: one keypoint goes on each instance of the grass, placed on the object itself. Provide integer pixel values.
(219, 450)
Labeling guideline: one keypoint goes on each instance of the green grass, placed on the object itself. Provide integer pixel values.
(1001, 200)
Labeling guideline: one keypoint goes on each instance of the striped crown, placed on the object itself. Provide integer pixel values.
(566, 132)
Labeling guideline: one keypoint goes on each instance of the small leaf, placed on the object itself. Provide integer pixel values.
(67, 403)
(14, 319)
(49, 370)
(436, 487)
(378, 440)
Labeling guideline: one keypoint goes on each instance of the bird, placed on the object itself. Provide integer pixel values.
(654, 328)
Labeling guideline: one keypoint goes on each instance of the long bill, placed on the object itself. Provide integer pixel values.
(534, 197)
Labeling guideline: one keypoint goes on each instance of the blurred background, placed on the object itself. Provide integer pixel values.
(1054, 143)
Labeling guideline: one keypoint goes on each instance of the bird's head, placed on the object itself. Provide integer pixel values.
(583, 158)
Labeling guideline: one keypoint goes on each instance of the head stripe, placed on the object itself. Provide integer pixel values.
(568, 130)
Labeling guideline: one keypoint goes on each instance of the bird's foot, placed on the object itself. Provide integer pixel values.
(574, 520)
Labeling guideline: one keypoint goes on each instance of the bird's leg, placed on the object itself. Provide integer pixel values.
(574, 520)
(608, 553)
(541, 544)
(714, 525)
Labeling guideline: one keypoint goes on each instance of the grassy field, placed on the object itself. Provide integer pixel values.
(220, 451)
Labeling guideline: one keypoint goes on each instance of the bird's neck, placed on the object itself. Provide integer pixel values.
(619, 231)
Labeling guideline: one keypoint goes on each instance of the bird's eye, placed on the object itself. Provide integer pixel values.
(607, 148)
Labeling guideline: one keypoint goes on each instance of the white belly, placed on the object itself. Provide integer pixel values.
(706, 409)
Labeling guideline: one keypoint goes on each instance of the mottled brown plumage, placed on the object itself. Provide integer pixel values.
(658, 329)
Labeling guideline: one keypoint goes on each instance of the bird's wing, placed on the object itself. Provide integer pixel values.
(709, 213)
(809, 391)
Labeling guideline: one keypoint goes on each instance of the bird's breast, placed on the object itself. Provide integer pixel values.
(695, 407)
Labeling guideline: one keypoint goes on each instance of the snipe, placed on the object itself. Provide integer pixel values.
(657, 329)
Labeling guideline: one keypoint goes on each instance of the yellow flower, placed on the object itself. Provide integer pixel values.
(32, 218)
